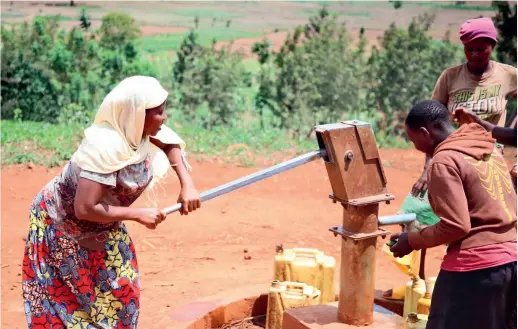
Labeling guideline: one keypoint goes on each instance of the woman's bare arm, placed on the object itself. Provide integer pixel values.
(189, 196)
(174, 154)
(87, 206)
(503, 135)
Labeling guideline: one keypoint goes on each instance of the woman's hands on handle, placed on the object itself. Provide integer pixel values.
(189, 196)
(190, 200)
(149, 217)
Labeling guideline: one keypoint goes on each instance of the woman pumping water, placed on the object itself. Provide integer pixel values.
(80, 269)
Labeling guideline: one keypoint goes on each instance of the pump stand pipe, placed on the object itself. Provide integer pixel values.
(252, 178)
(402, 219)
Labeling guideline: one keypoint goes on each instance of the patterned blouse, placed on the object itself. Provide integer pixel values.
(124, 187)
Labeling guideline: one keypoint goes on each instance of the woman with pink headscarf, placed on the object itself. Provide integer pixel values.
(480, 85)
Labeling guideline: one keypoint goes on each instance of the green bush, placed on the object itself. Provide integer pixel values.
(117, 29)
(405, 70)
(218, 99)
(46, 70)
(316, 77)
(209, 85)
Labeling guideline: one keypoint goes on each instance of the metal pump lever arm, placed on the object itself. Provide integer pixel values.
(252, 178)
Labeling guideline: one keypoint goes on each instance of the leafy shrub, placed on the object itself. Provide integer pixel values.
(46, 70)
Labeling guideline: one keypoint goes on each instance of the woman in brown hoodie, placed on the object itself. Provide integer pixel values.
(470, 190)
(503, 135)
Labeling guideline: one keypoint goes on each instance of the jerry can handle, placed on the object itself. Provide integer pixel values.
(295, 284)
(299, 287)
(302, 289)
(316, 294)
(308, 252)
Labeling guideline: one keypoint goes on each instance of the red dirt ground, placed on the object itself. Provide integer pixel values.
(202, 254)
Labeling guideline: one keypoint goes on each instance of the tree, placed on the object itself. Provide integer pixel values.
(208, 84)
(299, 88)
(117, 29)
(396, 4)
(405, 70)
(505, 22)
(49, 74)
(84, 20)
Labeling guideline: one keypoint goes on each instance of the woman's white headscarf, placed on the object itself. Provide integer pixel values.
(115, 139)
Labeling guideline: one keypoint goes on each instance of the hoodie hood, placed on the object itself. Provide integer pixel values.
(471, 139)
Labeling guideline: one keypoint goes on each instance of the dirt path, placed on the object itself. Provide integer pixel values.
(202, 254)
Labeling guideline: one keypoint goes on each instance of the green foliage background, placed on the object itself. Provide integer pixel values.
(53, 80)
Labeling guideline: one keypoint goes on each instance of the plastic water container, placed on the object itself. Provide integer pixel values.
(284, 295)
(408, 264)
(423, 304)
(415, 290)
(309, 266)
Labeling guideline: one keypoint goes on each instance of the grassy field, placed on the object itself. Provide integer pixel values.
(38, 142)
(471, 7)
(256, 16)
(50, 145)
(245, 19)
(309, 12)
(171, 42)
(207, 13)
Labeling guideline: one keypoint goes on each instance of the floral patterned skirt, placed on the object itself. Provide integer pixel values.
(68, 286)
